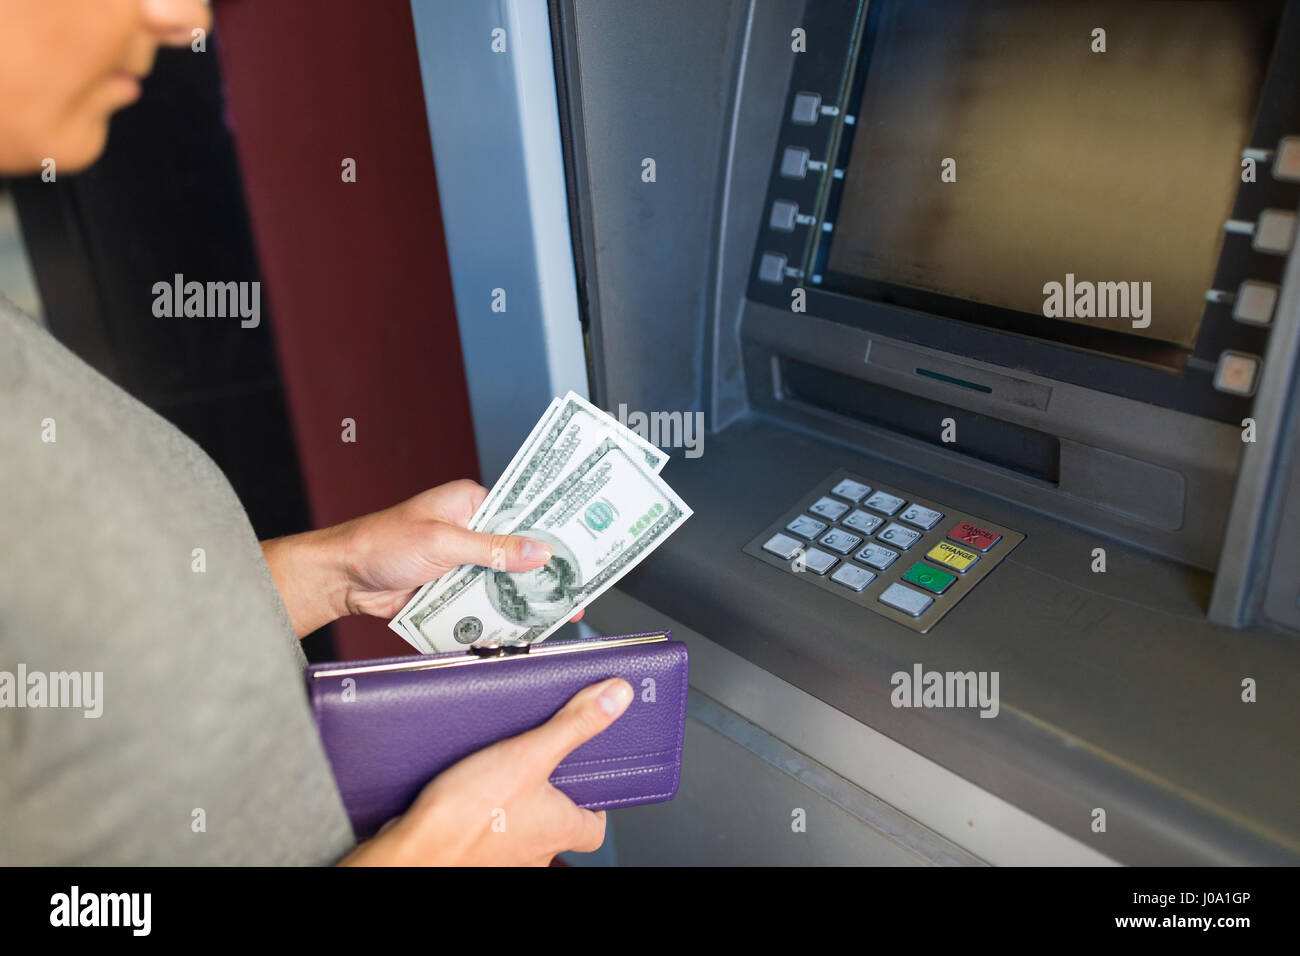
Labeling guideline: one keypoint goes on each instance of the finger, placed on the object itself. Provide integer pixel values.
(502, 552)
(586, 714)
(457, 500)
(578, 617)
(477, 494)
(590, 835)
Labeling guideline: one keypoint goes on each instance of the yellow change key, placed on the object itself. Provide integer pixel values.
(951, 556)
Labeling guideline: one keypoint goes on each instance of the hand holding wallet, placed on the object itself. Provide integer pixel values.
(389, 726)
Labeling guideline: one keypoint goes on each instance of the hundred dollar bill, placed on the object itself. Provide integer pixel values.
(520, 456)
(565, 435)
(524, 453)
(601, 520)
(569, 429)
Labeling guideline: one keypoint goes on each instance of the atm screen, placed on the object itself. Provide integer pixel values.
(1001, 146)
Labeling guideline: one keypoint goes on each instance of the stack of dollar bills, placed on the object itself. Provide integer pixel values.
(582, 483)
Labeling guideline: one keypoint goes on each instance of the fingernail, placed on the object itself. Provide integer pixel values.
(535, 551)
(615, 698)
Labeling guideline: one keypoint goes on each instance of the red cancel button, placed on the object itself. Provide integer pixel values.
(974, 536)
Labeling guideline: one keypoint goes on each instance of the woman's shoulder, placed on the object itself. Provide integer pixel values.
(58, 411)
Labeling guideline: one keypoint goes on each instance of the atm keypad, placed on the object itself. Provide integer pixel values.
(923, 518)
(851, 490)
(900, 598)
(877, 556)
(948, 555)
(929, 577)
(848, 536)
(806, 527)
(885, 503)
(783, 546)
(853, 577)
(861, 521)
(828, 508)
(818, 562)
(841, 541)
(899, 537)
(974, 536)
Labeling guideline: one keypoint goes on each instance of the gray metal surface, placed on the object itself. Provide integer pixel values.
(496, 143)
(734, 808)
(1158, 478)
(667, 262)
(667, 266)
(867, 809)
(1280, 604)
(1116, 693)
(840, 759)
(1260, 525)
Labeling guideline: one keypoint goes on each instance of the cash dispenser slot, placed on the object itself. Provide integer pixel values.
(1014, 447)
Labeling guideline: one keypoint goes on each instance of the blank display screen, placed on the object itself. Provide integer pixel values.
(1114, 166)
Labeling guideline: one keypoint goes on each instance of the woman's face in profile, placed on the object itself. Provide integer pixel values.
(67, 65)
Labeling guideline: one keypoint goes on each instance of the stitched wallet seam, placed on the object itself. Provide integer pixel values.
(609, 774)
(585, 763)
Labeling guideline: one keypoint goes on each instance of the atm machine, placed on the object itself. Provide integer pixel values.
(990, 315)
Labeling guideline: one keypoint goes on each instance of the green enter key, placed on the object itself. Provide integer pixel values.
(932, 579)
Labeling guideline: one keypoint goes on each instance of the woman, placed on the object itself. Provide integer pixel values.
(129, 561)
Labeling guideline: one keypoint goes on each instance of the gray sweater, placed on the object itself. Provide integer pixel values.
(205, 751)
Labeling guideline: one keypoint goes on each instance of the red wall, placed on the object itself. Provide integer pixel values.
(355, 274)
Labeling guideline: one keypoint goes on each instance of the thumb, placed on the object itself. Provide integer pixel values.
(586, 714)
(501, 552)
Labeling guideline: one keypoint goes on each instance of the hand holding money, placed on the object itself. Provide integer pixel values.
(392, 552)
(373, 564)
(586, 487)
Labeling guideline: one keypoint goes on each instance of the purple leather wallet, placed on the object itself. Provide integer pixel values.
(391, 725)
